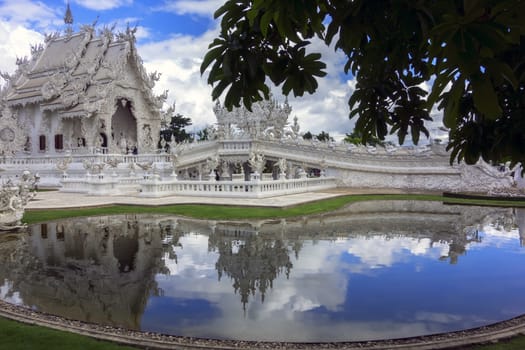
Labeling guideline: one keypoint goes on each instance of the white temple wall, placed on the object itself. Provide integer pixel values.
(37, 123)
(482, 177)
(405, 181)
(465, 178)
(30, 118)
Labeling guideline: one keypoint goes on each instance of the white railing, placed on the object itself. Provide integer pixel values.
(228, 147)
(102, 184)
(79, 158)
(244, 189)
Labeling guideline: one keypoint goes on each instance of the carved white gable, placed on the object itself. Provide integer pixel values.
(78, 81)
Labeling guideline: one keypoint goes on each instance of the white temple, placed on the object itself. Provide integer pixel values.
(80, 113)
(84, 91)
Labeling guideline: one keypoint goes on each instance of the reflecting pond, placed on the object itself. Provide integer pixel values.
(372, 270)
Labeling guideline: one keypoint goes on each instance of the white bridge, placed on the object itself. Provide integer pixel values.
(259, 168)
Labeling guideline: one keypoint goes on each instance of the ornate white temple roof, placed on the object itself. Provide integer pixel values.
(73, 73)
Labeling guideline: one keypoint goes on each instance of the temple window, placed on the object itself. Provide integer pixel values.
(42, 142)
(43, 231)
(59, 141)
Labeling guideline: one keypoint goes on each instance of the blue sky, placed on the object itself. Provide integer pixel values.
(172, 38)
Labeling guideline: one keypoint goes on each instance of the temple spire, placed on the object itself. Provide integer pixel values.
(68, 17)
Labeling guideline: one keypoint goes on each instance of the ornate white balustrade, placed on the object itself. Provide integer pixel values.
(79, 158)
(102, 185)
(422, 168)
(239, 189)
(50, 175)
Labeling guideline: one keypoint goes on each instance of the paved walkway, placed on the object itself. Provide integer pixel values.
(58, 200)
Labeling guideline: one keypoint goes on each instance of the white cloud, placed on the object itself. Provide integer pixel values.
(179, 59)
(195, 7)
(6, 294)
(28, 13)
(98, 5)
(377, 252)
(15, 42)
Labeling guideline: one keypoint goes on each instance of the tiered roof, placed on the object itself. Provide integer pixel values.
(73, 73)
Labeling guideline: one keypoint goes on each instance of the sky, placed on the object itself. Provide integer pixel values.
(172, 38)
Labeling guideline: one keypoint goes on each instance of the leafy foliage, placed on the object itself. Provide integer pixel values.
(176, 128)
(322, 136)
(203, 134)
(356, 138)
(472, 51)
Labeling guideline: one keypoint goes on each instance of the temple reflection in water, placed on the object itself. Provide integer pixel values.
(105, 269)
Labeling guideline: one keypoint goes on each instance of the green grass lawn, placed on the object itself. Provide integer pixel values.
(18, 336)
(14, 335)
(517, 343)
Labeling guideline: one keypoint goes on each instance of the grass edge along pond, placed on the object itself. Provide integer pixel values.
(229, 212)
(14, 335)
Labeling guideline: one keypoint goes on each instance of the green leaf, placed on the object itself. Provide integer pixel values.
(287, 86)
(496, 68)
(470, 5)
(223, 9)
(266, 19)
(252, 15)
(211, 56)
(485, 98)
(452, 101)
(217, 90)
(227, 64)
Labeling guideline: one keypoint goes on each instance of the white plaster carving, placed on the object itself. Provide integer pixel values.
(14, 198)
(257, 162)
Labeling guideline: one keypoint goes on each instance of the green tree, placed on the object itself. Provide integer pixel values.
(176, 128)
(324, 136)
(307, 135)
(356, 138)
(473, 52)
(203, 134)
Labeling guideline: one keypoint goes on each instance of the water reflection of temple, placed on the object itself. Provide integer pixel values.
(99, 269)
(103, 269)
(252, 261)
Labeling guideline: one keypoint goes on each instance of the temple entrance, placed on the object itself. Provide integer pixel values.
(104, 140)
(124, 127)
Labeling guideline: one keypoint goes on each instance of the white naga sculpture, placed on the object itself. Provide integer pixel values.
(14, 198)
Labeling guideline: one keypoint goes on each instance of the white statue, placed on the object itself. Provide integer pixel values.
(63, 165)
(14, 198)
(212, 162)
(256, 162)
(123, 145)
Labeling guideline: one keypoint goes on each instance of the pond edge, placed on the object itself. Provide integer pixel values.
(151, 340)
